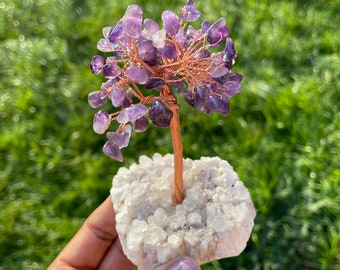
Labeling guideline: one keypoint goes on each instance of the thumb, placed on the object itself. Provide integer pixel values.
(184, 263)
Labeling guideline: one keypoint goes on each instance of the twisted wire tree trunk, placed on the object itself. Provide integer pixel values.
(175, 129)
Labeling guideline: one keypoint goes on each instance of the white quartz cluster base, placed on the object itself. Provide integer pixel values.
(214, 221)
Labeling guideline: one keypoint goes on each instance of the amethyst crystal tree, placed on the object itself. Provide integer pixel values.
(210, 215)
(175, 58)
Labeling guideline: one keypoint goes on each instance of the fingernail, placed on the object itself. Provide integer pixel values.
(184, 264)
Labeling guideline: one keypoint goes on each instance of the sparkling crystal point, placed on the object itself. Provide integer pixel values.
(132, 21)
(171, 22)
(132, 113)
(101, 122)
(229, 51)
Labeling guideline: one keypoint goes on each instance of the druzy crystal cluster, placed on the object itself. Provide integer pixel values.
(148, 64)
(214, 220)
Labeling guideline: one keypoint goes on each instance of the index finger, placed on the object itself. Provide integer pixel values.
(91, 243)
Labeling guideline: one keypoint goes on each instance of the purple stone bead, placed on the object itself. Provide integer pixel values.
(120, 138)
(219, 104)
(112, 150)
(111, 70)
(147, 52)
(132, 21)
(189, 13)
(205, 26)
(171, 22)
(235, 77)
(97, 63)
(217, 32)
(108, 84)
(115, 33)
(150, 28)
(169, 51)
(141, 124)
(193, 34)
(101, 122)
(200, 99)
(184, 92)
(104, 45)
(181, 38)
(218, 71)
(230, 88)
(158, 39)
(159, 114)
(128, 99)
(106, 31)
(154, 83)
(97, 98)
(132, 113)
(137, 74)
(188, 96)
(117, 96)
(203, 54)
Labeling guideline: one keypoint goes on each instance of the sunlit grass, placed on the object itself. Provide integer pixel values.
(282, 135)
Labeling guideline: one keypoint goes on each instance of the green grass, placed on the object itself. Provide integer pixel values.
(282, 135)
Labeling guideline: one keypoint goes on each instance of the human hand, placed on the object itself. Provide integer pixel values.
(96, 246)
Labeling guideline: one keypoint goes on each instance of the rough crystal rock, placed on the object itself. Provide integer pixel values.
(214, 221)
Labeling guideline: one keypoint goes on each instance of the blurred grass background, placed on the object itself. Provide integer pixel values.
(282, 135)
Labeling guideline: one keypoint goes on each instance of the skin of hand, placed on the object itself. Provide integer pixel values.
(96, 246)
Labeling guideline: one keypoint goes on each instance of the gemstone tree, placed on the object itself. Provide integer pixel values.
(177, 57)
